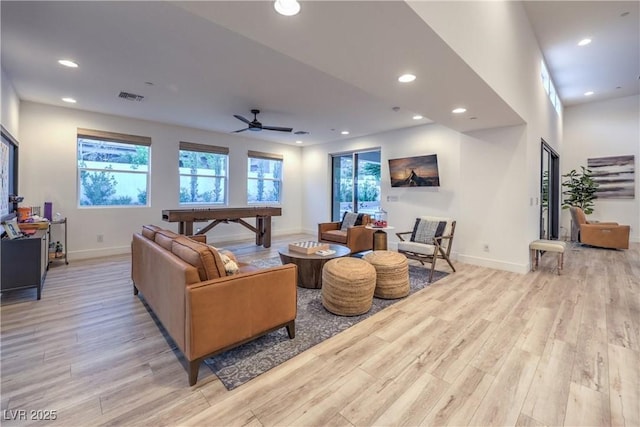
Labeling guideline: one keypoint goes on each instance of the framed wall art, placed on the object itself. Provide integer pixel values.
(614, 175)
(420, 171)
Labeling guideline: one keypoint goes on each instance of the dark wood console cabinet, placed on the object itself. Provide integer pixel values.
(24, 262)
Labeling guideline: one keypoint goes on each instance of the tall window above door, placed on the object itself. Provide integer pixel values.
(203, 173)
(356, 183)
(113, 169)
(264, 178)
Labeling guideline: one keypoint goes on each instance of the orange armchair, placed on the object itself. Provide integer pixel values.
(357, 238)
(601, 234)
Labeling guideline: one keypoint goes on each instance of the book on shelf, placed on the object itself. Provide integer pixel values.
(308, 247)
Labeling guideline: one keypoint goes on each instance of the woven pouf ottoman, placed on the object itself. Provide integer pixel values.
(392, 270)
(347, 286)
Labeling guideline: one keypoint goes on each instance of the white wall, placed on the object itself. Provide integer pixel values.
(601, 129)
(10, 106)
(412, 202)
(48, 173)
(475, 188)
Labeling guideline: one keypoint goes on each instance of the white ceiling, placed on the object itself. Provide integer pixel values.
(333, 67)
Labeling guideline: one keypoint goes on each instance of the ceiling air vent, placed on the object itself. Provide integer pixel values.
(130, 96)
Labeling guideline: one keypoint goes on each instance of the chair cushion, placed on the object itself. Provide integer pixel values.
(424, 230)
(350, 219)
(337, 236)
(418, 248)
(203, 257)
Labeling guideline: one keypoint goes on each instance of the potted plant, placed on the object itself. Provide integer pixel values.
(580, 192)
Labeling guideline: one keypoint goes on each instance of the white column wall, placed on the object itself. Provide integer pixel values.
(48, 172)
(496, 40)
(602, 129)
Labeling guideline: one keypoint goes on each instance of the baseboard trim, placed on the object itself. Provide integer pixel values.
(122, 250)
(492, 263)
(99, 253)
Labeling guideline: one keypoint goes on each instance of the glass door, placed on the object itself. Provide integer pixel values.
(356, 183)
(549, 192)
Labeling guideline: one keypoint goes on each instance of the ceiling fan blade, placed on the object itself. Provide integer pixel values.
(240, 130)
(242, 119)
(278, 128)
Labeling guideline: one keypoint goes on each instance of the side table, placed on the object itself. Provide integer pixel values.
(380, 237)
(64, 258)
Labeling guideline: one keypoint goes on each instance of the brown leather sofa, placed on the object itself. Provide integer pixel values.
(357, 238)
(203, 309)
(601, 234)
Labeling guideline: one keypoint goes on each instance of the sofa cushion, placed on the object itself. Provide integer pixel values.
(149, 231)
(350, 219)
(165, 238)
(203, 257)
(425, 230)
(337, 236)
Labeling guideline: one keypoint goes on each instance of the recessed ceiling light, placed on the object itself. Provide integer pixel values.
(68, 63)
(406, 78)
(459, 110)
(418, 117)
(584, 42)
(287, 7)
(298, 142)
(345, 132)
(69, 100)
(589, 93)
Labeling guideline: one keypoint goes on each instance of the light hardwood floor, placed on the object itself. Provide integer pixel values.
(480, 347)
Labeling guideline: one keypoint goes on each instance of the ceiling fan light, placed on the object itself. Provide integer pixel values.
(287, 7)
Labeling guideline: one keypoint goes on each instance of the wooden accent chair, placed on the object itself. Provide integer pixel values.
(601, 234)
(350, 232)
(430, 240)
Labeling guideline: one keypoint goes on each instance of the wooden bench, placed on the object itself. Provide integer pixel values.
(538, 246)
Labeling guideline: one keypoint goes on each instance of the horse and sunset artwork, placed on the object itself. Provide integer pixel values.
(420, 171)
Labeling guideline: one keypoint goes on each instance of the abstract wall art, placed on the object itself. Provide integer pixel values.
(614, 175)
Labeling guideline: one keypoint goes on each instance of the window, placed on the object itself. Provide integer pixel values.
(264, 183)
(113, 169)
(203, 173)
(550, 88)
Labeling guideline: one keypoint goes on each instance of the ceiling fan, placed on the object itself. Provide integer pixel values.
(256, 126)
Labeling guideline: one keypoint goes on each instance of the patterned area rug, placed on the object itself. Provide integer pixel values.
(314, 324)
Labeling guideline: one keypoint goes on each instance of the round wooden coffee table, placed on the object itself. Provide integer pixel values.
(310, 266)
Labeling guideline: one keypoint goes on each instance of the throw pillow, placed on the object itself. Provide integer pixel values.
(424, 230)
(229, 265)
(351, 219)
(229, 260)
